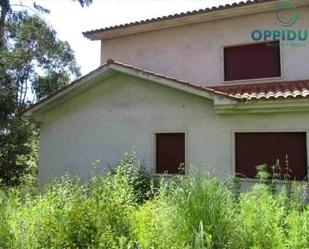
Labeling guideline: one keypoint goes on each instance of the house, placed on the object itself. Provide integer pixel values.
(220, 90)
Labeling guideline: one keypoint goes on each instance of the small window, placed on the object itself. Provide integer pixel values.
(252, 61)
(170, 153)
(252, 149)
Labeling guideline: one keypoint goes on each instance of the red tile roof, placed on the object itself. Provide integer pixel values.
(179, 15)
(122, 65)
(162, 76)
(240, 92)
(271, 90)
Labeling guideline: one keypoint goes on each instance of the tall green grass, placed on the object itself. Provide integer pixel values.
(125, 209)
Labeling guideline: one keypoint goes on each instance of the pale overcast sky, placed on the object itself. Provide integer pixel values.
(70, 20)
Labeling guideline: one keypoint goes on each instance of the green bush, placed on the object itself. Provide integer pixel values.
(122, 209)
(192, 212)
(261, 220)
(69, 214)
(298, 229)
(155, 222)
(134, 173)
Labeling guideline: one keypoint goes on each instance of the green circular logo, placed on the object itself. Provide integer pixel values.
(286, 13)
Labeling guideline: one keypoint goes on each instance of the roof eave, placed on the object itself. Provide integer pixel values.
(235, 10)
(37, 107)
(265, 106)
(116, 67)
(175, 22)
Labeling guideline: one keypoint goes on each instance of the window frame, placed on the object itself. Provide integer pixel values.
(233, 152)
(154, 151)
(256, 80)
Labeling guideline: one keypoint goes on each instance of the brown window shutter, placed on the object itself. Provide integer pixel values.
(252, 149)
(170, 152)
(252, 61)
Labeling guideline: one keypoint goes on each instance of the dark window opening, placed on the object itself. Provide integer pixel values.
(252, 149)
(252, 61)
(170, 153)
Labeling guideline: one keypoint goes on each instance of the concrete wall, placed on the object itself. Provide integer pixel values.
(195, 52)
(125, 112)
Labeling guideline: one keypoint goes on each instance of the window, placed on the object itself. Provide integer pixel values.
(254, 149)
(170, 153)
(252, 61)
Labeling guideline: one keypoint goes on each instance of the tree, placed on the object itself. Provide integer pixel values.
(33, 64)
(6, 8)
(85, 2)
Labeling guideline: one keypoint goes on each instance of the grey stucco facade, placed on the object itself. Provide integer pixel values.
(119, 111)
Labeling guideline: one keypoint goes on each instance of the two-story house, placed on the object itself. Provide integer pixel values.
(220, 90)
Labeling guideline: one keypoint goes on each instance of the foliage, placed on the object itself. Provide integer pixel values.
(135, 173)
(262, 223)
(183, 213)
(85, 2)
(205, 207)
(155, 222)
(33, 64)
(18, 145)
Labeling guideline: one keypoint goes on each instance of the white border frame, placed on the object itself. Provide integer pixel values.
(257, 80)
(154, 150)
(264, 131)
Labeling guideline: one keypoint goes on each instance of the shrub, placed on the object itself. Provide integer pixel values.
(198, 212)
(155, 222)
(205, 210)
(122, 210)
(298, 229)
(5, 234)
(193, 212)
(69, 214)
(134, 173)
(261, 219)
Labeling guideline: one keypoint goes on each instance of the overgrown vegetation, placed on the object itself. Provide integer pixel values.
(33, 64)
(125, 209)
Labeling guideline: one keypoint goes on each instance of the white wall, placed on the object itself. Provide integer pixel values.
(194, 52)
(123, 112)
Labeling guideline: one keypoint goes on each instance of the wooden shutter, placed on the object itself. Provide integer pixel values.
(170, 152)
(265, 148)
(252, 61)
